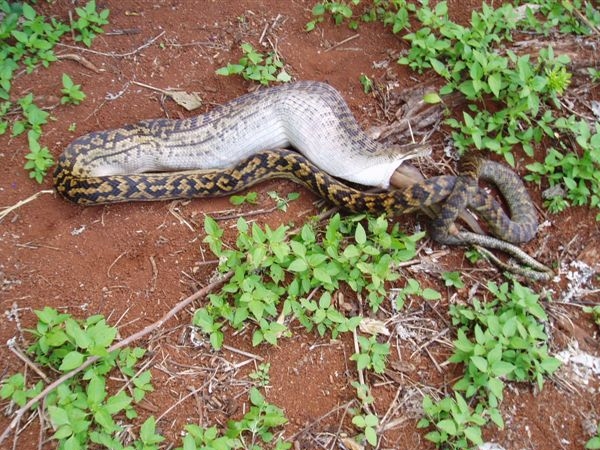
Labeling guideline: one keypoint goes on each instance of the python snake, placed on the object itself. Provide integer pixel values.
(222, 152)
(309, 116)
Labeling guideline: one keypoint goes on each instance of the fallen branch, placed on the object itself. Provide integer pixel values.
(124, 343)
(7, 209)
(113, 54)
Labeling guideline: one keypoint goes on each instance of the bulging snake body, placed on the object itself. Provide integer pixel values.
(311, 117)
(223, 151)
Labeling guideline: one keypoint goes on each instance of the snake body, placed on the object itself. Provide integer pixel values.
(288, 164)
(223, 152)
(311, 117)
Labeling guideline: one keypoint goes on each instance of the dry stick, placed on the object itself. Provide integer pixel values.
(4, 211)
(585, 20)
(324, 416)
(81, 60)
(181, 400)
(124, 343)
(13, 347)
(113, 54)
(341, 43)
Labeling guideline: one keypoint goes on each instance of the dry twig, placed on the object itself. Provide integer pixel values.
(8, 209)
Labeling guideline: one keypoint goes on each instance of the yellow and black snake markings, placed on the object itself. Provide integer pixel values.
(288, 164)
(155, 160)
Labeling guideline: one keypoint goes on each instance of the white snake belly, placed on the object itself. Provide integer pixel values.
(311, 117)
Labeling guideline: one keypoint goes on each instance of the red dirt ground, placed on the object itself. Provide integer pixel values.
(133, 262)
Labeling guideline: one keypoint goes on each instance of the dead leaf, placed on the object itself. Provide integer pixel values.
(351, 444)
(189, 100)
(373, 327)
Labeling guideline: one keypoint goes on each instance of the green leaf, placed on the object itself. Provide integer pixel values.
(71, 361)
(256, 397)
(20, 36)
(360, 235)
(593, 444)
(496, 386)
(96, 390)
(496, 417)
(359, 421)
(447, 426)
(71, 444)
(284, 77)
(28, 12)
(480, 363)
(432, 98)
(58, 416)
(204, 320)
(148, 432)
(318, 9)
(321, 275)
(474, 435)
(351, 252)
(67, 81)
(371, 436)
(298, 265)
(502, 368)
(18, 127)
(495, 83)
(431, 294)
(216, 339)
(103, 418)
(550, 365)
(118, 402)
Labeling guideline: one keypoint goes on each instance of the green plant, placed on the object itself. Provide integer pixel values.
(508, 341)
(39, 159)
(281, 202)
(522, 90)
(366, 83)
(511, 98)
(325, 316)
(367, 421)
(373, 355)
(14, 387)
(594, 442)
(262, 259)
(579, 175)
(251, 198)
(81, 410)
(594, 311)
(340, 12)
(28, 39)
(254, 429)
(394, 13)
(255, 66)
(89, 22)
(33, 117)
(199, 438)
(457, 426)
(453, 279)
(261, 375)
(72, 92)
(561, 15)
(413, 288)
(498, 340)
(256, 424)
